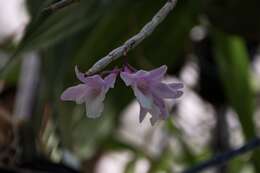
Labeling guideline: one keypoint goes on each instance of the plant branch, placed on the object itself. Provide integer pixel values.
(134, 41)
(59, 5)
(224, 157)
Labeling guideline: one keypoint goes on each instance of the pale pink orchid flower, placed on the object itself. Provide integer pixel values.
(92, 92)
(150, 91)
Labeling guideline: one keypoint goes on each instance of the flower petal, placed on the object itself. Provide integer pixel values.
(130, 78)
(80, 76)
(157, 74)
(127, 78)
(75, 93)
(140, 74)
(110, 80)
(176, 86)
(155, 112)
(95, 81)
(92, 81)
(127, 69)
(165, 91)
(95, 106)
(160, 104)
(144, 100)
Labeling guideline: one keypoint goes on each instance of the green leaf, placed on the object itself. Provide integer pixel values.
(233, 60)
(45, 30)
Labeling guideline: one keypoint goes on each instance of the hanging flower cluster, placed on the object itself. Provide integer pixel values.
(147, 86)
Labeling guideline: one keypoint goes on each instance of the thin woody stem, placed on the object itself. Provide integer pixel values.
(224, 157)
(134, 41)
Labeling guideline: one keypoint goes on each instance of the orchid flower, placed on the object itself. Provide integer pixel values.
(92, 92)
(151, 92)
